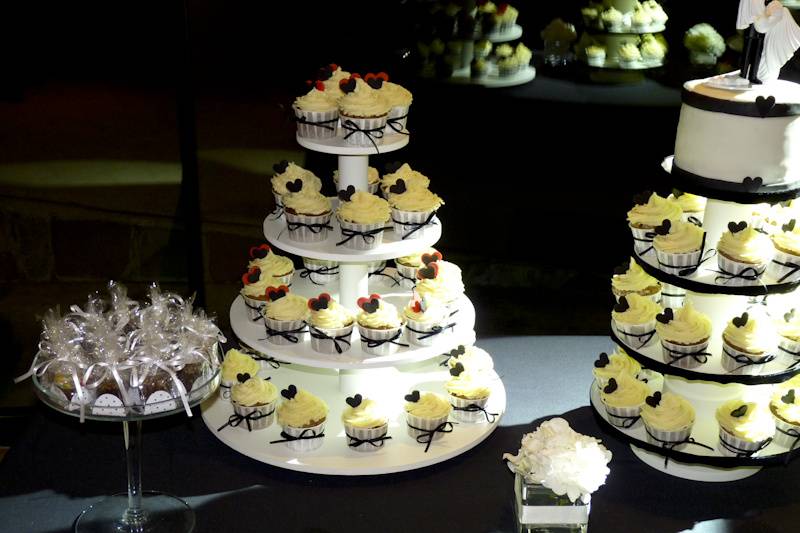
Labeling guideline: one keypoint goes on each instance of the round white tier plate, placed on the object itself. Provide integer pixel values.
(338, 146)
(511, 34)
(653, 28)
(492, 80)
(252, 333)
(276, 233)
(614, 63)
(399, 454)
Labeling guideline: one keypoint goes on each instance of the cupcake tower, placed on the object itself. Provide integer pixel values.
(348, 354)
(706, 315)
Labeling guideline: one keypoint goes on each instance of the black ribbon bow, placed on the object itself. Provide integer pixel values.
(368, 236)
(426, 436)
(322, 271)
(380, 272)
(313, 228)
(748, 274)
(289, 335)
(671, 445)
(627, 421)
(377, 442)
(236, 419)
(746, 360)
(740, 452)
(320, 123)
(474, 408)
(306, 434)
(435, 330)
(794, 268)
(374, 343)
(700, 356)
(394, 123)
(684, 271)
(337, 341)
(647, 336)
(371, 133)
(416, 225)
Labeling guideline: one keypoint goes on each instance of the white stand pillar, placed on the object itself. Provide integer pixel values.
(353, 171)
(353, 277)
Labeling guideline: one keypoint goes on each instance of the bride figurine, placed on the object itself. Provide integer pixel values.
(772, 36)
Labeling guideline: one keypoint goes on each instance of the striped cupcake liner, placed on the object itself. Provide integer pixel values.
(283, 332)
(308, 228)
(642, 239)
(317, 124)
(737, 274)
(264, 418)
(637, 335)
(380, 341)
(784, 268)
(789, 351)
(358, 438)
(732, 446)
(418, 426)
(464, 412)
(302, 444)
(361, 236)
(363, 132)
(668, 439)
(413, 224)
(786, 434)
(735, 361)
(624, 417)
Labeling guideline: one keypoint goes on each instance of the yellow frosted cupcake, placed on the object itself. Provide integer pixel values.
(649, 212)
(668, 419)
(609, 366)
(380, 326)
(469, 392)
(679, 247)
(472, 358)
(362, 217)
(744, 428)
(254, 291)
(413, 210)
(400, 99)
(743, 255)
(285, 315)
(427, 321)
(308, 215)
(254, 399)
(684, 335)
(748, 343)
(365, 424)
(789, 337)
(363, 111)
(632, 279)
(634, 320)
(330, 325)
(234, 365)
(412, 179)
(317, 113)
(693, 206)
(426, 416)
(623, 397)
(785, 408)
(277, 268)
(289, 172)
(785, 265)
(442, 281)
(302, 416)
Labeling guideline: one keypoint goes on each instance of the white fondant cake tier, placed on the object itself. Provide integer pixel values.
(728, 135)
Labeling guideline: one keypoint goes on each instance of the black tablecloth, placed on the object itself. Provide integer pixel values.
(60, 466)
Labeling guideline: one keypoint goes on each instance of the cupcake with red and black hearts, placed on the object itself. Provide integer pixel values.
(668, 419)
(745, 428)
(362, 218)
(610, 366)
(302, 416)
(363, 111)
(413, 179)
(317, 113)
(308, 214)
(427, 321)
(785, 265)
(630, 278)
(441, 280)
(788, 327)
(412, 210)
(785, 408)
(277, 269)
(285, 315)
(380, 325)
(743, 255)
(331, 75)
(623, 398)
(749, 341)
(634, 320)
(289, 172)
(693, 206)
(254, 291)
(685, 334)
(469, 393)
(330, 325)
(365, 424)
(650, 212)
(679, 247)
(373, 179)
(407, 265)
(254, 398)
(399, 98)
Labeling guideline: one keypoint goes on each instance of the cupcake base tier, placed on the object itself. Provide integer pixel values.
(398, 454)
(338, 146)
(511, 34)
(616, 64)
(492, 79)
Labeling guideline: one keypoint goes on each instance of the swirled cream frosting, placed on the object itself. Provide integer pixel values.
(415, 259)
(619, 362)
(307, 203)
(630, 392)
(672, 413)
(363, 102)
(272, 265)
(654, 212)
(333, 317)
(689, 203)
(688, 327)
(368, 414)
(754, 422)
(290, 307)
(417, 200)
(641, 310)
(757, 336)
(293, 172)
(429, 405)
(303, 411)
(473, 359)
(788, 241)
(236, 362)
(469, 385)
(683, 237)
(396, 95)
(788, 412)
(446, 287)
(412, 178)
(746, 246)
(317, 101)
(255, 391)
(364, 208)
(635, 279)
(385, 317)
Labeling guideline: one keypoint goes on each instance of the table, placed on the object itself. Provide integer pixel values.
(58, 467)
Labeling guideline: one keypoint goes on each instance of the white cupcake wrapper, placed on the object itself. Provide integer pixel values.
(408, 275)
(355, 434)
(672, 296)
(361, 242)
(413, 224)
(637, 335)
(596, 61)
(325, 340)
(375, 266)
(743, 363)
(473, 415)
(397, 120)
(786, 434)
(321, 272)
(317, 233)
(282, 332)
(675, 263)
(624, 417)
(308, 444)
(642, 240)
(225, 389)
(427, 333)
(254, 307)
(363, 132)
(265, 417)
(423, 425)
(680, 354)
(784, 268)
(326, 124)
(667, 439)
(384, 348)
(788, 351)
(732, 446)
(732, 272)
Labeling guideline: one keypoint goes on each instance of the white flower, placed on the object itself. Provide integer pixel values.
(562, 460)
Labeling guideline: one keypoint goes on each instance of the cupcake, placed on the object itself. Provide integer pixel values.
(288, 172)
(407, 265)
(655, 11)
(380, 326)
(254, 287)
(320, 271)
(693, 206)
(234, 365)
(308, 215)
(330, 325)
(412, 179)
(684, 335)
(365, 424)
(478, 68)
(508, 66)
(596, 55)
(441, 280)
(668, 419)
(612, 19)
(331, 75)
(649, 212)
(503, 51)
(785, 265)
(400, 99)
(427, 321)
(362, 217)
(748, 343)
(426, 416)
(285, 314)
(785, 408)
(317, 113)
(302, 416)
(632, 279)
(652, 50)
(373, 179)
(523, 55)
(634, 319)
(610, 366)
(472, 358)
(276, 269)
(641, 20)
(789, 338)
(623, 397)
(505, 17)
(469, 392)
(412, 210)
(679, 247)
(363, 111)
(254, 399)
(743, 255)
(744, 428)
(482, 49)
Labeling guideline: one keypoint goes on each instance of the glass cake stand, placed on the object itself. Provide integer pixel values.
(135, 511)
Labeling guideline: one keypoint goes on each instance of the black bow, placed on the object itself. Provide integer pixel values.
(474, 408)
(290, 335)
(701, 356)
(381, 272)
(739, 452)
(235, 419)
(372, 343)
(628, 421)
(323, 270)
(394, 123)
(416, 225)
(747, 361)
(368, 236)
(319, 334)
(426, 435)
(371, 134)
(434, 331)
(377, 442)
(304, 435)
(670, 445)
(313, 228)
(647, 336)
(749, 274)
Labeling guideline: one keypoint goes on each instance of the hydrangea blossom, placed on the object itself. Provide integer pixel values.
(562, 460)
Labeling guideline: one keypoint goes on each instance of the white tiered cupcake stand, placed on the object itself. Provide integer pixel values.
(384, 378)
(493, 79)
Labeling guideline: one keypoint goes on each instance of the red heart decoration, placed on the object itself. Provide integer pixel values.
(251, 276)
(369, 76)
(320, 302)
(276, 293)
(382, 76)
(319, 86)
(431, 258)
(347, 85)
(371, 304)
(334, 66)
(417, 307)
(355, 75)
(259, 252)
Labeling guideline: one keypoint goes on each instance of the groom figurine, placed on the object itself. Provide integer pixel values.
(749, 10)
(771, 39)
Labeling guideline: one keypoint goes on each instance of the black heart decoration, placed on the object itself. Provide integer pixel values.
(611, 386)
(741, 321)
(375, 83)
(324, 73)
(664, 228)
(461, 350)
(281, 167)
(677, 194)
(788, 317)
(346, 194)
(430, 258)
(621, 269)
(348, 85)
(457, 369)
(752, 184)
(788, 398)
(399, 187)
(789, 226)
(734, 227)
(289, 392)
(739, 411)
(413, 397)
(320, 303)
(642, 198)
(371, 306)
(622, 305)
(429, 271)
(765, 105)
(241, 378)
(294, 186)
(276, 294)
(653, 400)
(665, 317)
(354, 401)
(254, 276)
(602, 361)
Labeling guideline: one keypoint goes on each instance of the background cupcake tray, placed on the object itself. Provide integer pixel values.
(511, 34)
(398, 454)
(492, 79)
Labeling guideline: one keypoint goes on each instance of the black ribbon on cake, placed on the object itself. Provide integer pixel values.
(474, 408)
(700, 356)
(647, 336)
(377, 442)
(416, 225)
(649, 236)
(402, 276)
(732, 191)
(236, 419)
(394, 123)
(254, 308)
(739, 452)
(748, 274)
(426, 435)
(671, 445)
(747, 361)
(796, 355)
(271, 361)
(371, 133)
(289, 335)
(319, 124)
(627, 421)
(435, 330)
(322, 271)
(368, 236)
(306, 434)
(696, 221)
(374, 343)
(337, 341)
(313, 228)
(380, 272)
(794, 268)
(684, 271)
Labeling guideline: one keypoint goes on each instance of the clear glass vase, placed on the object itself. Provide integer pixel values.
(540, 510)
